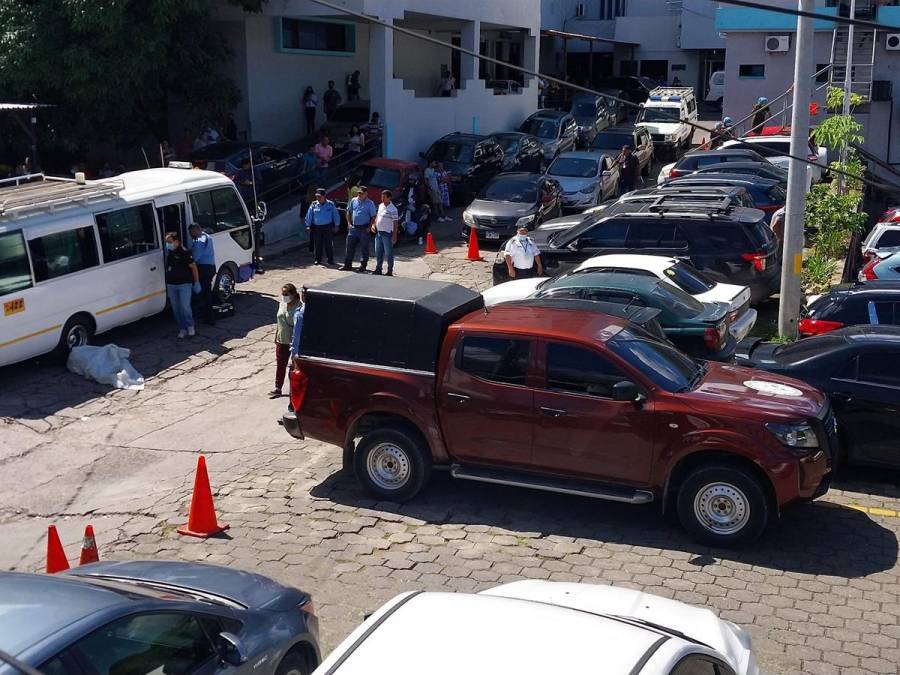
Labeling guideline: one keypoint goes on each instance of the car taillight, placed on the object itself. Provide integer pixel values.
(758, 260)
(769, 208)
(868, 272)
(299, 385)
(675, 173)
(812, 157)
(712, 336)
(733, 315)
(809, 327)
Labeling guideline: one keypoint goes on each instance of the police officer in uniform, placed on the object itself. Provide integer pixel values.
(522, 254)
(322, 221)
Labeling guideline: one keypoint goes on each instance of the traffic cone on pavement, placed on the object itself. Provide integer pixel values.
(703, 143)
(474, 253)
(202, 517)
(89, 552)
(429, 244)
(56, 556)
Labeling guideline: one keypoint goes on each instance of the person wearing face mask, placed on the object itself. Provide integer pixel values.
(522, 256)
(205, 256)
(182, 278)
(284, 331)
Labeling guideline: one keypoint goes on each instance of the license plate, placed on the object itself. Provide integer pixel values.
(491, 235)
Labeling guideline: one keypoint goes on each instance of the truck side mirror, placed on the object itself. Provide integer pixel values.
(625, 390)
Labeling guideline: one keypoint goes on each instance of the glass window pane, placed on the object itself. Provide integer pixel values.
(889, 239)
(580, 371)
(202, 210)
(495, 359)
(14, 272)
(55, 255)
(229, 209)
(608, 234)
(126, 232)
(147, 643)
(880, 368)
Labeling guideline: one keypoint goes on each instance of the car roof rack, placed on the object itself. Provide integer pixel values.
(710, 207)
(670, 93)
(36, 192)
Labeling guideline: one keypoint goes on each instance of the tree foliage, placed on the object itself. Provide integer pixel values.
(113, 67)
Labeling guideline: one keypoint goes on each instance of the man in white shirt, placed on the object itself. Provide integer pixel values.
(385, 229)
(522, 254)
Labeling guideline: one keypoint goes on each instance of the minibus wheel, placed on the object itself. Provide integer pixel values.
(78, 331)
(226, 280)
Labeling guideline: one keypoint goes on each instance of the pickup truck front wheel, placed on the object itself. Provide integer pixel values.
(722, 505)
(392, 464)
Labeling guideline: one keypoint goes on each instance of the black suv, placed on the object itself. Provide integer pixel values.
(471, 161)
(730, 244)
(867, 302)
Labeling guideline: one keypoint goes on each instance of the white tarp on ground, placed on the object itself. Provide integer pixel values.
(108, 365)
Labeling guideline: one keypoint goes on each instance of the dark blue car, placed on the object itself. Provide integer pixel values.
(135, 618)
(274, 168)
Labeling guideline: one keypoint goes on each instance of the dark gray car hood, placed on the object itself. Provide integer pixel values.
(483, 207)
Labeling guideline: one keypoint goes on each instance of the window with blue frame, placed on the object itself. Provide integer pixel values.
(309, 35)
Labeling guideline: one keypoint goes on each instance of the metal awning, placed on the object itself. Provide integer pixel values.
(565, 35)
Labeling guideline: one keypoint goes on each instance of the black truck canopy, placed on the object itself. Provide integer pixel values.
(384, 321)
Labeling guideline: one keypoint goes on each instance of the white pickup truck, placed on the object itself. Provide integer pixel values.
(667, 113)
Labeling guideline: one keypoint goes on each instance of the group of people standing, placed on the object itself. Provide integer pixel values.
(331, 100)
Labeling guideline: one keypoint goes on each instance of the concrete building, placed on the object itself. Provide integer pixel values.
(295, 43)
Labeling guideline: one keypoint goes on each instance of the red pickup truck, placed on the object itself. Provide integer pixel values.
(409, 375)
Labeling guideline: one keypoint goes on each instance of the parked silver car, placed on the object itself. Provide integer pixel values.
(587, 178)
(557, 131)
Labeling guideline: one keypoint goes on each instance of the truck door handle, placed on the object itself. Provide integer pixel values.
(552, 412)
(459, 398)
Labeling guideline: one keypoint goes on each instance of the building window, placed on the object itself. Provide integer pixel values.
(610, 9)
(821, 73)
(752, 71)
(305, 35)
(579, 10)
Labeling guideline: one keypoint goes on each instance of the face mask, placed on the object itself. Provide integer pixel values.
(170, 246)
(522, 237)
(287, 299)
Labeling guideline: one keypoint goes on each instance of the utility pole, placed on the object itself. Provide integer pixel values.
(848, 88)
(792, 258)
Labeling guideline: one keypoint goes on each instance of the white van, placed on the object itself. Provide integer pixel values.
(664, 114)
(716, 92)
(78, 258)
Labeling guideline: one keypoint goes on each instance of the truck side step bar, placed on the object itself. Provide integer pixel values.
(552, 484)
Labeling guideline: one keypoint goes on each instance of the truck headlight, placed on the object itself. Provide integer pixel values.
(524, 221)
(794, 435)
(669, 137)
(468, 219)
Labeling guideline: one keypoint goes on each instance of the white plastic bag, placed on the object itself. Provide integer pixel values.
(108, 365)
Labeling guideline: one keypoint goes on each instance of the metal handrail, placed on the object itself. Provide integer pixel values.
(789, 91)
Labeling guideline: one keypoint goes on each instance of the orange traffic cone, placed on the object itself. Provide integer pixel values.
(429, 244)
(89, 552)
(703, 143)
(202, 517)
(56, 556)
(474, 253)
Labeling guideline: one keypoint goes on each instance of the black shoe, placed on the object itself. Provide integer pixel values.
(361, 269)
(331, 263)
(346, 268)
(316, 262)
(377, 273)
(389, 274)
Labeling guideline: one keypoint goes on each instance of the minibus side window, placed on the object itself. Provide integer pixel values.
(55, 255)
(126, 232)
(15, 274)
(218, 210)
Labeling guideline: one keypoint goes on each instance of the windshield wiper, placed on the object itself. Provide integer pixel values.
(663, 629)
(696, 379)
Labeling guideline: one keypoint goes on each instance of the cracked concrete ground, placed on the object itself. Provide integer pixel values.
(819, 595)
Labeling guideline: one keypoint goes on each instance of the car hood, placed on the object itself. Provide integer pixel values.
(251, 590)
(517, 289)
(660, 127)
(698, 624)
(557, 224)
(751, 393)
(483, 207)
(575, 184)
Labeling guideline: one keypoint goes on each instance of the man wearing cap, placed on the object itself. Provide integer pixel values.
(361, 214)
(322, 221)
(522, 255)
(205, 256)
(629, 170)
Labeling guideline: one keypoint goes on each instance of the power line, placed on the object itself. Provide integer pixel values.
(549, 78)
(812, 15)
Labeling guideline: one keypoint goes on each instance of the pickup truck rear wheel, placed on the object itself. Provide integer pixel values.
(722, 505)
(392, 464)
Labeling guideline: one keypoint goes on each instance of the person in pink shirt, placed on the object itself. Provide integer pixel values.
(323, 151)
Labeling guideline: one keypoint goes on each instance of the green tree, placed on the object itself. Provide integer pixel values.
(113, 67)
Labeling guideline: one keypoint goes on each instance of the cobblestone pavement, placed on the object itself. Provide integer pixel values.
(820, 595)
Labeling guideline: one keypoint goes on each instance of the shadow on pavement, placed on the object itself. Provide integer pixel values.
(817, 538)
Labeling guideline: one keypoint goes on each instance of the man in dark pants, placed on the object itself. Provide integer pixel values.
(360, 218)
(322, 221)
(522, 256)
(629, 170)
(205, 256)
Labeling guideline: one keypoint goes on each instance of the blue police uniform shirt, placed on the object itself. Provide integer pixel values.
(202, 250)
(362, 211)
(323, 214)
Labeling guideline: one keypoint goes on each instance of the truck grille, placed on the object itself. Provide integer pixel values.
(658, 138)
(828, 433)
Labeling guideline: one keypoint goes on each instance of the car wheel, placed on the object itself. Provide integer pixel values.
(226, 280)
(722, 505)
(78, 331)
(293, 663)
(392, 464)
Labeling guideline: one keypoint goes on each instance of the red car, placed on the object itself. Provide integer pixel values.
(378, 174)
(550, 398)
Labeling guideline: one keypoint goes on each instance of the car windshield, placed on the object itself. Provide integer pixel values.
(510, 190)
(573, 167)
(663, 115)
(584, 108)
(542, 128)
(807, 348)
(611, 139)
(507, 143)
(663, 364)
(377, 175)
(448, 151)
(677, 300)
(688, 279)
(350, 115)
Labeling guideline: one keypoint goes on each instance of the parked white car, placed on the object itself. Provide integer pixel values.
(884, 238)
(539, 627)
(666, 114)
(777, 149)
(675, 272)
(716, 90)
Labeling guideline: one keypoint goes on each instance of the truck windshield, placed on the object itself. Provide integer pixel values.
(663, 364)
(659, 115)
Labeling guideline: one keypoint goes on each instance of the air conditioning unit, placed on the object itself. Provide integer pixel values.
(778, 43)
(892, 41)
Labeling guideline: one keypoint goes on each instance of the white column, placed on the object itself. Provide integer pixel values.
(470, 38)
(381, 74)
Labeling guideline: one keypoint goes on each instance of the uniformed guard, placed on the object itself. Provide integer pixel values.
(522, 255)
(322, 221)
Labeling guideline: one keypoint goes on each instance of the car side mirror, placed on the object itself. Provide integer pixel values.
(626, 390)
(262, 210)
(231, 649)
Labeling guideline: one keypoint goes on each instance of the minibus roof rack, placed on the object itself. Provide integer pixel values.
(36, 192)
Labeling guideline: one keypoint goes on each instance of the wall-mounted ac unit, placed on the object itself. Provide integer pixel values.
(892, 41)
(778, 43)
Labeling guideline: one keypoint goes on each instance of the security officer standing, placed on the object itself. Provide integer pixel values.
(322, 221)
(522, 254)
(204, 255)
(360, 218)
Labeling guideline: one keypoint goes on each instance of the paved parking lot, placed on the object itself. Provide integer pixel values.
(820, 595)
